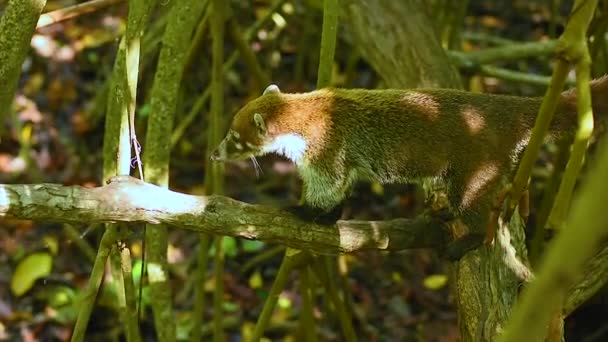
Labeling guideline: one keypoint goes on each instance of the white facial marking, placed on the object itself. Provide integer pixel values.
(238, 146)
(290, 145)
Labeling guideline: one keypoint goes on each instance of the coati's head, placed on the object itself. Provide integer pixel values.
(256, 130)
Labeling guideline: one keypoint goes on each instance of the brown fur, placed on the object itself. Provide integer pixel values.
(465, 139)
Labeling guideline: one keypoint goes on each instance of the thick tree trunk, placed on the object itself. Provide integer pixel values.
(398, 39)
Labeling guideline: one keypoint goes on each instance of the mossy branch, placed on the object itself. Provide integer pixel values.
(127, 199)
(17, 25)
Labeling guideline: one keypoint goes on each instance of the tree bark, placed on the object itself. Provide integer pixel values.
(127, 199)
(398, 39)
(16, 28)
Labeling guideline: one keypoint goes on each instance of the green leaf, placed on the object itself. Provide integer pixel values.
(252, 246)
(229, 244)
(33, 267)
(435, 281)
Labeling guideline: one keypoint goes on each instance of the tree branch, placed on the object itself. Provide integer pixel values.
(127, 199)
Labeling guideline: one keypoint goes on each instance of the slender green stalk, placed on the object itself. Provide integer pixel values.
(132, 326)
(203, 253)
(328, 43)
(181, 23)
(307, 320)
(261, 80)
(293, 258)
(197, 41)
(334, 296)
(116, 151)
(504, 53)
(565, 258)
(326, 61)
(85, 303)
(200, 102)
(218, 290)
(543, 121)
(17, 25)
(74, 236)
(581, 139)
(215, 171)
(261, 257)
(514, 76)
(123, 278)
(549, 193)
(199, 288)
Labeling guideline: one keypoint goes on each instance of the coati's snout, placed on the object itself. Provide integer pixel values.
(233, 148)
(244, 140)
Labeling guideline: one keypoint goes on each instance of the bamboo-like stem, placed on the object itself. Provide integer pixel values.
(198, 40)
(581, 139)
(514, 76)
(504, 53)
(565, 257)
(549, 193)
(324, 76)
(86, 302)
(328, 43)
(346, 323)
(307, 321)
(261, 257)
(69, 12)
(541, 125)
(200, 102)
(72, 235)
(293, 258)
(259, 76)
(182, 20)
(204, 240)
(123, 278)
(199, 287)
(17, 25)
(117, 150)
(572, 48)
(214, 172)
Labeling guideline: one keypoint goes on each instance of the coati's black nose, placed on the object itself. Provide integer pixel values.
(215, 155)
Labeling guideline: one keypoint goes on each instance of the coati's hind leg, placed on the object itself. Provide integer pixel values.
(471, 193)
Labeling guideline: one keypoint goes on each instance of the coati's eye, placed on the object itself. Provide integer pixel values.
(235, 139)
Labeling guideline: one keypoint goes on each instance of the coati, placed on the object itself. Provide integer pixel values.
(338, 136)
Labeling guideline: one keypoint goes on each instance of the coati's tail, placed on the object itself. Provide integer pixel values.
(599, 100)
(565, 119)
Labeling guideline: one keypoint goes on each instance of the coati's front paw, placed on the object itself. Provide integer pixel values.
(315, 215)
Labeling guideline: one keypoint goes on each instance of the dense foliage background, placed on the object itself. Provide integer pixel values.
(56, 131)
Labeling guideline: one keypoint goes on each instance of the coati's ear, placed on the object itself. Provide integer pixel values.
(259, 123)
(272, 89)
